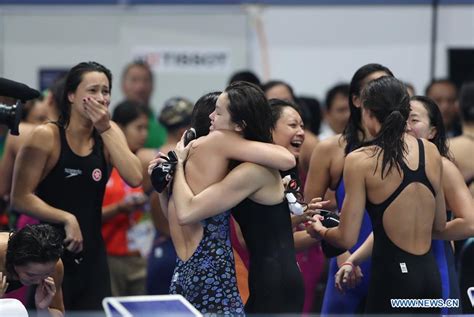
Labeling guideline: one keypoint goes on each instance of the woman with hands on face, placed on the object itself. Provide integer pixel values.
(60, 176)
(31, 256)
(397, 178)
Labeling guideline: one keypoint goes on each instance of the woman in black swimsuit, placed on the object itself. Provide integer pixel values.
(397, 178)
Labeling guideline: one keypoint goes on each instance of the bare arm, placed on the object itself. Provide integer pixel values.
(127, 163)
(318, 179)
(459, 200)
(345, 235)
(30, 166)
(363, 252)
(240, 183)
(234, 147)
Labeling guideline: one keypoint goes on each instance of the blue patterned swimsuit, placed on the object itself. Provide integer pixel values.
(207, 279)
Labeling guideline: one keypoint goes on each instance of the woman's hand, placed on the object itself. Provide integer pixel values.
(181, 150)
(98, 113)
(45, 292)
(316, 229)
(318, 203)
(348, 276)
(157, 160)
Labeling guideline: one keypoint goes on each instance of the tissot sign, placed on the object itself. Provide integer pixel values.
(184, 59)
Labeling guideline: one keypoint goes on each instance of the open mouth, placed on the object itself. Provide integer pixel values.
(296, 143)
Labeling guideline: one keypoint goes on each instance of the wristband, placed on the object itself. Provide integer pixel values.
(347, 263)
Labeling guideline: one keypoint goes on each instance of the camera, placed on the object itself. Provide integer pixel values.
(11, 116)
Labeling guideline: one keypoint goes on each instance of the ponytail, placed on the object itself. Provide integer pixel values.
(390, 143)
(388, 101)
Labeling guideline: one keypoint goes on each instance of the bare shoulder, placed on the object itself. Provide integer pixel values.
(43, 137)
(331, 143)
(431, 150)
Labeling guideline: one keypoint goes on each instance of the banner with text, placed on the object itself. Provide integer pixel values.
(184, 59)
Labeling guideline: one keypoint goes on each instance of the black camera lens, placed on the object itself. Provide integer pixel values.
(11, 116)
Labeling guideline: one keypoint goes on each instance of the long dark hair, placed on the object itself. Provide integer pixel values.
(354, 125)
(73, 79)
(200, 120)
(249, 108)
(40, 243)
(387, 99)
(436, 121)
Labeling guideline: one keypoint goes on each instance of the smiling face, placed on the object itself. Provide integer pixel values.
(34, 273)
(418, 123)
(289, 131)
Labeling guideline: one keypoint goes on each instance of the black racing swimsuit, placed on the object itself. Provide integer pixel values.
(397, 274)
(275, 282)
(76, 184)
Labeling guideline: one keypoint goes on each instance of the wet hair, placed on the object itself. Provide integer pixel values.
(387, 99)
(339, 89)
(436, 121)
(40, 243)
(249, 109)
(245, 75)
(205, 105)
(439, 81)
(354, 125)
(137, 63)
(73, 80)
(277, 106)
(128, 111)
(466, 102)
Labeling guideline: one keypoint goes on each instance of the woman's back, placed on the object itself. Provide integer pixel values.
(402, 208)
(408, 215)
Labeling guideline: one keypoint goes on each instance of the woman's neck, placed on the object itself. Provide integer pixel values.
(80, 126)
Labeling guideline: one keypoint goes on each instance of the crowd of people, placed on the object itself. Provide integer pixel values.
(242, 226)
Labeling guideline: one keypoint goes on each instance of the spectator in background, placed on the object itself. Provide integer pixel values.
(245, 75)
(337, 111)
(313, 106)
(176, 118)
(126, 227)
(444, 92)
(137, 86)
